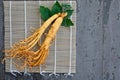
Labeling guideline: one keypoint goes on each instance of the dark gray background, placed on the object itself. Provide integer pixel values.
(98, 43)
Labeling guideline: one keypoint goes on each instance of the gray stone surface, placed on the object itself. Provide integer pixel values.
(89, 40)
(111, 26)
(2, 68)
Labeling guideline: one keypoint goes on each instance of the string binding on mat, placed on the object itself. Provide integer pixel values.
(25, 11)
(54, 72)
(13, 72)
(68, 75)
(70, 63)
(41, 72)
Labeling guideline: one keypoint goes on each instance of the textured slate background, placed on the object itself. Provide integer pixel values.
(98, 43)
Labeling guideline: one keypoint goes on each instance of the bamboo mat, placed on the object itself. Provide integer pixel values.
(17, 31)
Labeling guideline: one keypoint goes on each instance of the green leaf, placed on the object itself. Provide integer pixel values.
(56, 8)
(69, 13)
(45, 12)
(66, 7)
(67, 22)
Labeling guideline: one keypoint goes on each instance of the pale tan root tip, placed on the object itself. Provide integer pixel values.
(59, 14)
(63, 15)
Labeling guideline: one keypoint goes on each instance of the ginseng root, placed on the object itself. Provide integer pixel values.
(21, 49)
(43, 51)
